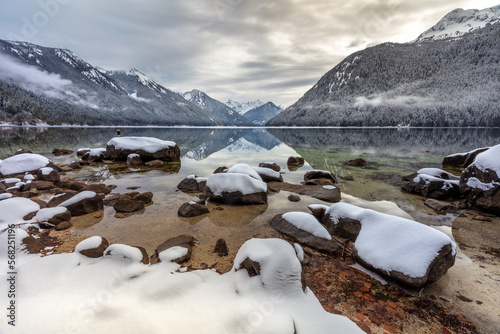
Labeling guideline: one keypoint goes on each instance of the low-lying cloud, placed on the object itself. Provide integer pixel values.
(394, 101)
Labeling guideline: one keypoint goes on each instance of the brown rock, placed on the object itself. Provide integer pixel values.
(270, 165)
(434, 188)
(61, 197)
(303, 237)
(145, 257)
(74, 165)
(61, 151)
(22, 151)
(185, 241)
(192, 184)
(53, 176)
(146, 197)
(189, 210)
(318, 211)
(358, 162)
(98, 251)
(463, 159)
(155, 163)
(320, 174)
(128, 205)
(85, 205)
(111, 200)
(63, 226)
(293, 198)
(320, 182)
(98, 188)
(134, 160)
(440, 205)
(346, 228)
(82, 152)
(78, 186)
(294, 163)
(219, 170)
(41, 185)
(32, 245)
(221, 248)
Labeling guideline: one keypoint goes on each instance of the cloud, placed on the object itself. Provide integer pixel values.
(394, 101)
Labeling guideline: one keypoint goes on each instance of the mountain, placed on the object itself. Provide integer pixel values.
(40, 85)
(459, 22)
(216, 108)
(243, 107)
(432, 82)
(261, 115)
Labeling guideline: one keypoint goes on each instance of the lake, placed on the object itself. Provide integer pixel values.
(390, 152)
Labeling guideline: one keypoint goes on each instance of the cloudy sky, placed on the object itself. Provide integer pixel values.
(239, 49)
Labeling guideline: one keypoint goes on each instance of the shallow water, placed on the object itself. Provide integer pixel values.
(391, 153)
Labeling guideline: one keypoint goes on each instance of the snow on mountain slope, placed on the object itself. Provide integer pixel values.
(243, 107)
(261, 115)
(459, 22)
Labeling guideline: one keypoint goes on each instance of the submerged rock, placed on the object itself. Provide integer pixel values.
(192, 209)
(128, 205)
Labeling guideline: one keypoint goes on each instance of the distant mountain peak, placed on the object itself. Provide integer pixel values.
(243, 107)
(459, 22)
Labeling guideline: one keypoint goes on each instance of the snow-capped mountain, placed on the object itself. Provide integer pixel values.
(442, 82)
(261, 115)
(459, 22)
(243, 107)
(215, 107)
(54, 85)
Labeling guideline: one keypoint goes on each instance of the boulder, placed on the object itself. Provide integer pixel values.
(293, 198)
(305, 229)
(24, 163)
(221, 248)
(52, 216)
(48, 174)
(83, 203)
(358, 162)
(402, 249)
(63, 226)
(463, 159)
(319, 174)
(99, 188)
(480, 182)
(192, 183)
(155, 163)
(61, 151)
(294, 163)
(61, 197)
(40, 185)
(128, 205)
(181, 241)
(92, 247)
(127, 253)
(148, 148)
(146, 197)
(236, 188)
(325, 193)
(272, 165)
(192, 209)
(432, 183)
(268, 174)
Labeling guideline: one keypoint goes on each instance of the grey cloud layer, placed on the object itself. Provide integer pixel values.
(239, 49)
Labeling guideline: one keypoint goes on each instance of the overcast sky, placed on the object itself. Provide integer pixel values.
(239, 49)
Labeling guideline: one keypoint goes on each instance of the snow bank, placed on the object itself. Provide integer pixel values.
(106, 295)
(21, 163)
(392, 243)
(232, 182)
(147, 144)
(307, 222)
(244, 169)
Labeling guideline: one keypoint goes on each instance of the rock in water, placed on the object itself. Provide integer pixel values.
(221, 248)
(192, 209)
(128, 205)
(403, 249)
(235, 188)
(148, 148)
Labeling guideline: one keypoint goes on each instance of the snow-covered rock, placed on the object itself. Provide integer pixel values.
(23, 163)
(236, 188)
(148, 148)
(53, 216)
(480, 182)
(403, 249)
(127, 253)
(462, 159)
(268, 174)
(92, 247)
(438, 184)
(244, 169)
(14, 209)
(171, 249)
(305, 229)
(83, 203)
(192, 183)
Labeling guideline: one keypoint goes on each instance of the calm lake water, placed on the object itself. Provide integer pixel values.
(391, 153)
